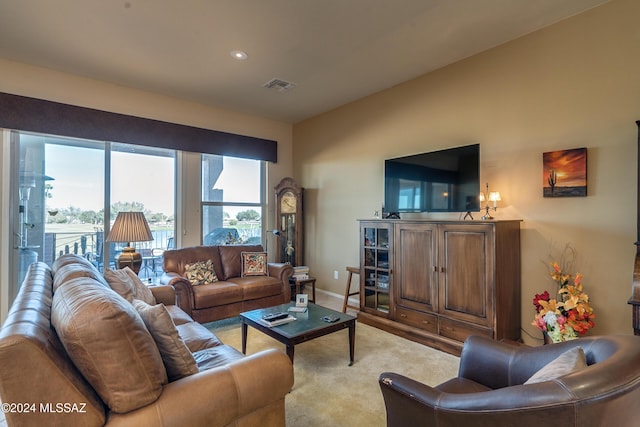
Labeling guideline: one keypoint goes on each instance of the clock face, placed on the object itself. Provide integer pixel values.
(288, 203)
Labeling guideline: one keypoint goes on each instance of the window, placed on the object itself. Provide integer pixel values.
(65, 185)
(232, 200)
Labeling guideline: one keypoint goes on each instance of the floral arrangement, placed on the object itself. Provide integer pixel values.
(567, 316)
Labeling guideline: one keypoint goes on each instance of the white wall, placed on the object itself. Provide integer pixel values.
(574, 84)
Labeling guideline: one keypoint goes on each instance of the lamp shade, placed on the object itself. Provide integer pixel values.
(494, 196)
(130, 227)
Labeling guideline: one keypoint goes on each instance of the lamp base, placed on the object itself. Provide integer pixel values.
(129, 258)
(487, 216)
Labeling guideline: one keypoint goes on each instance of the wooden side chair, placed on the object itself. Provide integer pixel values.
(347, 292)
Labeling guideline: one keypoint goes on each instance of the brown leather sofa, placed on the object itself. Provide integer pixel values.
(232, 294)
(489, 389)
(73, 352)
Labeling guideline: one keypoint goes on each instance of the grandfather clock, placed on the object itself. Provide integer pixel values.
(289, 222)
(635, 289)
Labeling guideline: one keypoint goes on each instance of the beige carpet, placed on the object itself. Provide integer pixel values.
(329, 392)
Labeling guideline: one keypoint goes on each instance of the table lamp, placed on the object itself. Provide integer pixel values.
(130, 227)
(494, 197)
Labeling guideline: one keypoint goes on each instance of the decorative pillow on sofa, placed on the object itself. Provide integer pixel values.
(570, 361)
(200, 273)
(177, 358)
(254, 264)
(128, 285)
(109, 344)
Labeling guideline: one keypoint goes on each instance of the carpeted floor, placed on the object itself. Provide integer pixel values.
(329, 392)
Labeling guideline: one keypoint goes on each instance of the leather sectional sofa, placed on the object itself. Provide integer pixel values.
(74, 352)
(232, 293)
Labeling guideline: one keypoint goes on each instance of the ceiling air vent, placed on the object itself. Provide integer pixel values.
(279, 85)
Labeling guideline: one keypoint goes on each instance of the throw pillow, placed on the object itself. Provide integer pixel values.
(177, 358)
(128, 285)
(119, 281)
(109, 344)
(254, 264)
(200, 273)
(570, 361)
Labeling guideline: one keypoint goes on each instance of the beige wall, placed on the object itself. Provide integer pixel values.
(21, 79)
(574, 84)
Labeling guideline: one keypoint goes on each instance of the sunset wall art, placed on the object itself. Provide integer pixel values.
(564, 173)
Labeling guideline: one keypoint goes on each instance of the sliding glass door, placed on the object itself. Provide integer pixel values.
(68, 191)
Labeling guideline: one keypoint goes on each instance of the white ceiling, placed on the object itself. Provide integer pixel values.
(335, 51)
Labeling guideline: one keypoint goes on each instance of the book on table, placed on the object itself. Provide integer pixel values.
(300, 272)
(277, 322)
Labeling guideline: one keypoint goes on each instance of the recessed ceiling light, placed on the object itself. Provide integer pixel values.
(239, 55)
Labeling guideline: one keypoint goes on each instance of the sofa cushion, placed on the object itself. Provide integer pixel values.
(230, 257)
(109, 344)
(570, 361)
(256, 287)
(216, 294)
(254, 264)
(216, 356)
(177, 358)
(178, 316)
(71, 266)
(176, 259)
(128, 285)
(200, 273)
(197, 337)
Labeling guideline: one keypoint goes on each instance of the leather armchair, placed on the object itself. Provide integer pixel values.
(490, 390)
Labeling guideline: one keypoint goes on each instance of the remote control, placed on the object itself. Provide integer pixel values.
(275, 316)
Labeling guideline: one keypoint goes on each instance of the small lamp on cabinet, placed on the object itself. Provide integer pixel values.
(489, 197)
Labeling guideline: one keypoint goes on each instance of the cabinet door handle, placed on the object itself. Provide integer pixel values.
(403, 315)
(435, 268)
(426, 322)
(443, 270)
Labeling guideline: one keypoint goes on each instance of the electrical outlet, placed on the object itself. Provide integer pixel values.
(335, 274)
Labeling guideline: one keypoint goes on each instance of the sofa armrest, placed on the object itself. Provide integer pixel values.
(164, 294)
(183, 289)
(217, 396)
(407, 400)
(282, 271)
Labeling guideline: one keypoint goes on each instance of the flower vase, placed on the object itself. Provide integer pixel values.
(547, 338)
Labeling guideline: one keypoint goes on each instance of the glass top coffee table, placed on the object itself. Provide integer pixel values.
(306, 327)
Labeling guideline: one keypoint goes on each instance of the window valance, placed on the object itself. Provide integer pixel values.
(54, 118)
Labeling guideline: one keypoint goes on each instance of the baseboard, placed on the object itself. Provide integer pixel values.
(352, 301)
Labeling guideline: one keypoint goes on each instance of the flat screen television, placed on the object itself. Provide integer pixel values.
(438, 181)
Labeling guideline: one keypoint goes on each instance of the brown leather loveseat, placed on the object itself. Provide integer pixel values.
(232, 293)
(77, 350)
(490, 390)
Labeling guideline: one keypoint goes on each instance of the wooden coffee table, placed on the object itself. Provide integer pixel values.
(306, 327)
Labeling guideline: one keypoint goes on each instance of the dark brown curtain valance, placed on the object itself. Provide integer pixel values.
(54, 118)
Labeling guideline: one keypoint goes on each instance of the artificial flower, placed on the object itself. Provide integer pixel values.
(567, 316)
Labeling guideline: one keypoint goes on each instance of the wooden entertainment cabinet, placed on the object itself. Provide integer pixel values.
(437, 282)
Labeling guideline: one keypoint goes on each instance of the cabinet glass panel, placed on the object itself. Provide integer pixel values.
(376, 253)
(383, 302)
(370, 237)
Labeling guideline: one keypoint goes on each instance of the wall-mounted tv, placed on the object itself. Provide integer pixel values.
(438, 181)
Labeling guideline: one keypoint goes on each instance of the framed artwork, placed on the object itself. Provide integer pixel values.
(302, 300)
(564, 173)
